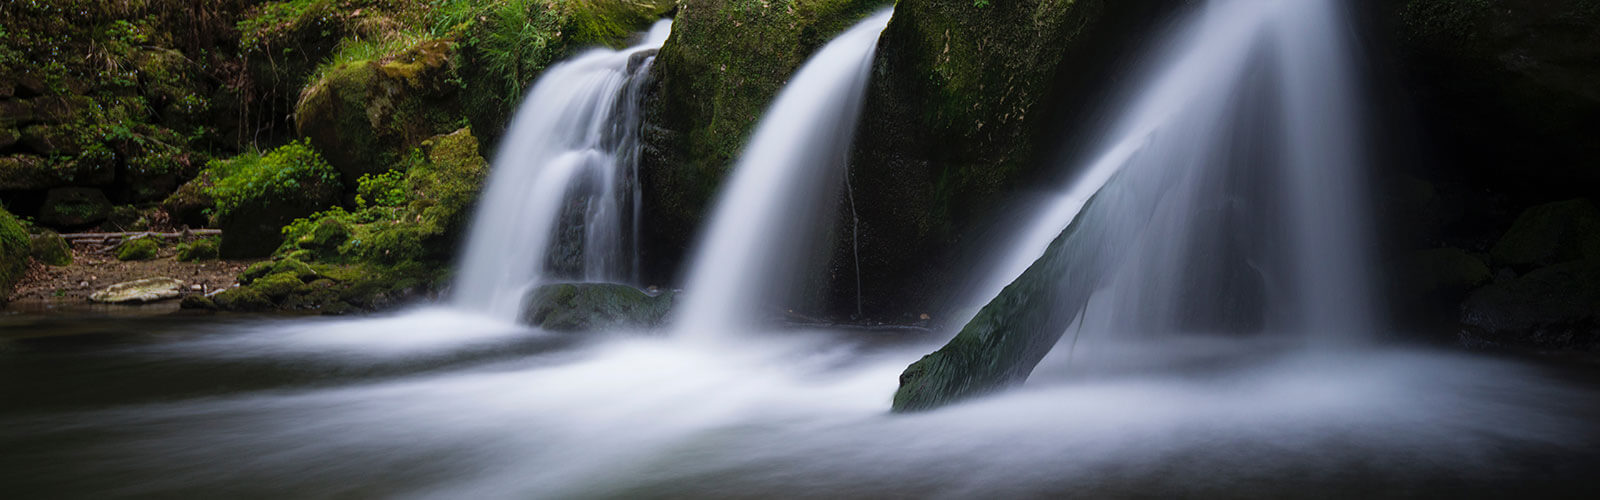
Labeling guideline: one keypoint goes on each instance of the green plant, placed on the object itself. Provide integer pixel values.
(385, 190)
(279, 173)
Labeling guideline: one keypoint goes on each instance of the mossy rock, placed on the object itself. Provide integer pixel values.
(198, 250)
(365, 115)
(242, 299)
(1549, 234)
(138, 249)
(256, 196)
(277, 286)
(27, 172)
(573, 307)
(51, 249)
(15, 253)
(74, 207)
(191, 203)
(295, 268)
(1443, 269)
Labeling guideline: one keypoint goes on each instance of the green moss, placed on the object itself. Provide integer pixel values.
(198, 250)
(256, 195)
(570, 307)
(255, 271)
(295, 268)
(138, 249)
(243, 299)
(277, 286)
(14, 253)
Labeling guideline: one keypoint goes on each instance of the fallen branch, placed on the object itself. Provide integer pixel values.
(76, 237)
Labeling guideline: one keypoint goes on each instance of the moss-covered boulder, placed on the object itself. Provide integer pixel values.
(257, 195)
(14, 253)
(50, 248)
(191, 204)
(724, 63)
(198, 250)
(74, 207)
(574, 307)
(138, 249)
(1549, 234)
(366, 115)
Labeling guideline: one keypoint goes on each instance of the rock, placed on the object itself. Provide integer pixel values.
(8, 136)
(198, 302)
(139, 291)
(13, 112)
(50, 248)
(198, 250)
(575, 307)
(1554, 307)
(14, 253)
(1549, 234)
(263, 194)
(51, 140)
(74, 207)
(364, 116)
(242, 299)
(189, 204)
(138, 249)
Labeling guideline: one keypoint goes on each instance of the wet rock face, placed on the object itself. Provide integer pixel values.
(576, 307)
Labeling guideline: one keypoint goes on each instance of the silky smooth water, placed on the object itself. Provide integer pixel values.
(568, 161)
(265, 408)
(776, 204)
(1231, 185)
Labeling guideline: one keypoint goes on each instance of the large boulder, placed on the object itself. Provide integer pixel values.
(571, 307)
(74, 207)
(1549, 234)
(257, 195)
(724, 63)
(365, 115)
(50, 248)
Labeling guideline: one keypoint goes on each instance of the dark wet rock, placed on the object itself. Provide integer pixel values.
(1549, 234)
(1554, 307)
(572, 307)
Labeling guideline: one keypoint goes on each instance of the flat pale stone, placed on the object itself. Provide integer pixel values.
(139, 291)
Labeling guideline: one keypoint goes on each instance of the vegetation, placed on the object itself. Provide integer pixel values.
(138, 249)
(14, 253)
(198, 250)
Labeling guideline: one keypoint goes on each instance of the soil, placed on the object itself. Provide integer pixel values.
(94, 269)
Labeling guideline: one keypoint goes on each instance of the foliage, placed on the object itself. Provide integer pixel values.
(279, 173)
(384, 190)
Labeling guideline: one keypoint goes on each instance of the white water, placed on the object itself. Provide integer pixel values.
(1247, 113)
(785, 185)
(571, 147)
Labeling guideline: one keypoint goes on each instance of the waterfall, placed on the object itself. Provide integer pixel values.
(1233, 186)
(561, 200)
(782, 191)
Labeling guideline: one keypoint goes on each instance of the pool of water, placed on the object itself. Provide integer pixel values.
(435, 403)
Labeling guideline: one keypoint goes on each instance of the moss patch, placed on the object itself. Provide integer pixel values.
(138, 249)
(14, 253)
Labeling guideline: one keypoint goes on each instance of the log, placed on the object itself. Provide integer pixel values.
(76, 237)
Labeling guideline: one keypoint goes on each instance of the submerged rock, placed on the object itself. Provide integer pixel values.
(575, 307)
(139, 291)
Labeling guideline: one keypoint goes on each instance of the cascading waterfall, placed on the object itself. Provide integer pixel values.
(1232, 186)
(564, 186)
(782, 191)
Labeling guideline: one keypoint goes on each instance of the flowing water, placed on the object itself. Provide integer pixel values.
(450, 402)
(568, 163)
(782, 193)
